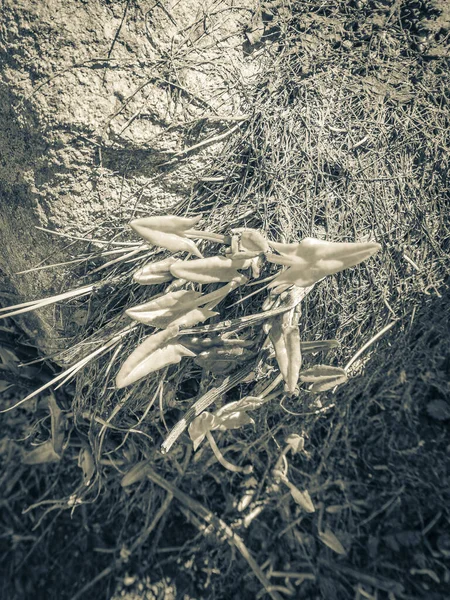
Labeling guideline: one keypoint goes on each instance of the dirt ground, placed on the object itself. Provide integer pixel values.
(298, 119)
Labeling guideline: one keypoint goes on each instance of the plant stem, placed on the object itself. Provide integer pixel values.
(223, 461)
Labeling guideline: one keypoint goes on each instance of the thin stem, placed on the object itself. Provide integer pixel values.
(223, 461)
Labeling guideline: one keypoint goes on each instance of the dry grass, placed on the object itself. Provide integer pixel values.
(348, 140)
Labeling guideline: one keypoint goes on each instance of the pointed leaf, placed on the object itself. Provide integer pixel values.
(330, 540)
(213, 298)
(314, 259)
(167, 232)
(292, 340)
(279, 345)
(303, 499)
(209, 270)
(165, 223)
(309, 347)
(244, 404)
(234, 421)
(86, 463)
(285, 249)
(156, 352)
(323, 377)
(164, 308)
(199, 427)
(41, 455)
(171, 241)
(140, 364)
(153, 273)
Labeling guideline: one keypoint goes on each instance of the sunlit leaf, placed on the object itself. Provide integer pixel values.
(156, 352)
(209, 270)
(251, 242)
(318, 346)
(313, 259)
(292, 340)
(233, 420)
(193, 317)
(199, 427)
(160, 311)
(279, 345)
(153, 273)
(167, 232)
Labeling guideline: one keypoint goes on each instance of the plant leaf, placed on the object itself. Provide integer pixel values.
(167, 232)
(303, 499)
(209, 270)
(233, 420)
(199, 427)
(292, 340)
(311, 260)
(318, 346)
(323, 377)
(296, 442)
(193, 317)
(159, 311)
(156, 272)
(330, 540)
(165, 223)
(43, 454)
(279, 345)
(251, 240)
(221, 359)
(156, 352)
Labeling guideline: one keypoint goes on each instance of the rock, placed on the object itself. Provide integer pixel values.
(94, 98)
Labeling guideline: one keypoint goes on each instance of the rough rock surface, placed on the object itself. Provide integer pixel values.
(94, 98)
